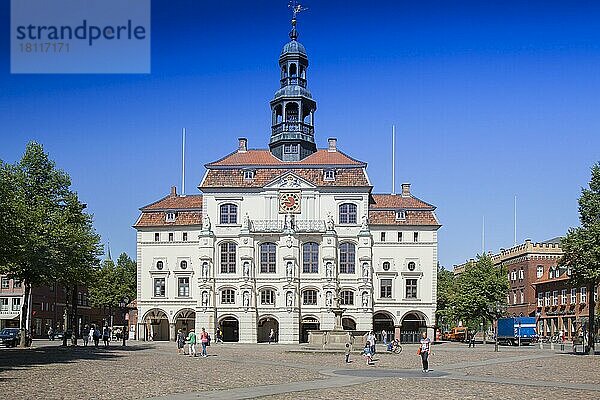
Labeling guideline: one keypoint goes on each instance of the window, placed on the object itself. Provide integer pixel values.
(385, 286)
(329, 175)
(157, 237)
(540, 271)
(183, 264)
(267, 258)
(400, 215)
(411, 288)
(159, 265)
(159, 287)
(347, 298)
(522, 297)
(5, 282)
(267, 297)
(228, 296)
(347, 258)
(540, 299)
(383, 236)
(291, 148)
(573, 296)
(228, 251)
(550, 273)
(310, 258)
(399, 237)
(16, 283)
(521, 274)
(170, 217)
(411, 266)
(228, 214)
(170, 236)
(513, 275)
(514, 297)
(563, 297)
(555, 297)
(248, 175)
(547, 299)
(4, 304)
(416, 237)
(348, 213)
(16, 304)
(583, 297)
(184, 237)
(386, 265)
(309, 297)
(184, 286)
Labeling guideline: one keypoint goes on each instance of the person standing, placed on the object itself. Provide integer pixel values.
(91, 335)
(347, 353)
(50, 333)
(86, 335)
(424, 351)
(219, 336)
(472, 339)
(191, 339)
(384, 336)
(180, 342)
(371, 340)
(367, 353)
(106, 336)
(204, 340)
(271, 336)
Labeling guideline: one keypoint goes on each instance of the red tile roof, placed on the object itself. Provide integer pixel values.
(413, 217)
(397, 201)
(176, 202)
(158, 218)
(344, 177)
(264, 158)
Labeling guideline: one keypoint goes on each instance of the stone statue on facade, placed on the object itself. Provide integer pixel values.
(246, 222)
(246, 269)
(205, 298)
(289, 299)
(365, 299)
(205, 270)
(246, 300)
(329, 270)
(365, 270)
(206, 223)
(330, 223)
(289, 269)
(364, 225)
(329, 299)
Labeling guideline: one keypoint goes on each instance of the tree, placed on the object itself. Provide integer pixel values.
(42, 216)
(445, 290)
(581, 248)
(480, 289)
(114, 283)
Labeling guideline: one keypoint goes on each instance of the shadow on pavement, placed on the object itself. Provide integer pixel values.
(13, 358)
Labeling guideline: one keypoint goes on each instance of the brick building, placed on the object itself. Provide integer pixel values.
(47, 305)
(538, 288)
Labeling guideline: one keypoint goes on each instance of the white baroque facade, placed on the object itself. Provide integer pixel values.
(280, 236)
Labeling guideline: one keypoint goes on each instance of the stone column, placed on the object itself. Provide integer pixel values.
(172, 333)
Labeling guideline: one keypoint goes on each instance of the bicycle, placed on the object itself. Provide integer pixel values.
(396, 348)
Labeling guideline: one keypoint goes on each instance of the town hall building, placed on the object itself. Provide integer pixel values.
(280, 236)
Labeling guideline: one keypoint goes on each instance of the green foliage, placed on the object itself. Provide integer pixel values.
(480, 291)
(581, 246)
(114, 282)
(446, 287)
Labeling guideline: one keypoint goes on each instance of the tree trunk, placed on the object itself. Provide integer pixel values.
(591, 325)
(66, 317)
(74, 325)
(24, 313)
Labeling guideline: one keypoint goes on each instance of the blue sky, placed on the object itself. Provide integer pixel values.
(491, 99)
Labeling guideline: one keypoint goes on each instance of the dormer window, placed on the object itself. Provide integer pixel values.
(291, 148)
(400, 215)
(329, 175)
(170, 216)
(248, 175)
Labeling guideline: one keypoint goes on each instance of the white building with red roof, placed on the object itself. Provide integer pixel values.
(281, 236)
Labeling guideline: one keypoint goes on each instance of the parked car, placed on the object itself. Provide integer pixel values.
(10, 337)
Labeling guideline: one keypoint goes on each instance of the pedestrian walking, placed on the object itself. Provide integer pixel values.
(85, 335)
(384, 336)
(219, 336)
(424, 351)
(347, 353)
(367, 353)
(180, 342)
(97, 336)
(191, 339)
(50, 333)
(205, 341)
(371, 340)
(271, 336)
(91, 334)
(472, 340)
(106, 336)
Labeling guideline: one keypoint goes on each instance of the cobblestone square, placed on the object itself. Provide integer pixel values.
(237, 371)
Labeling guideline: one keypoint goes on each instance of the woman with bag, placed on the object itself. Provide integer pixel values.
(424, 350)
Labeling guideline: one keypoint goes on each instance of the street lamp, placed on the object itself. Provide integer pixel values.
(125, 309)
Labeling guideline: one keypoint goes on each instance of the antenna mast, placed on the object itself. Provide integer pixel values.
(393, 159)
(183, 164)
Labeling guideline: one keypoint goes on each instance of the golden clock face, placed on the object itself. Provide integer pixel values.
(289, 202)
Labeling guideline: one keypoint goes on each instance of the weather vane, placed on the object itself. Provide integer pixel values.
(296, 8)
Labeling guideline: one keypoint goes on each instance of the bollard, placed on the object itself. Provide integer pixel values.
(551, 345)
(541, 346)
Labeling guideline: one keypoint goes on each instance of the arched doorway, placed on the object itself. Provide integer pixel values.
(156, 325)
(309, 323)
(185, 320)
(413, 324)
(348, 324)
(265, 324)
(382, 321)
(231, 329)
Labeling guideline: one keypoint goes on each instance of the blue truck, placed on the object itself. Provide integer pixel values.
(516, 330)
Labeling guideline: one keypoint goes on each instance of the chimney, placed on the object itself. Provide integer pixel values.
(173, 190)
(243, 145)
(332, 144)
(406, 190)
